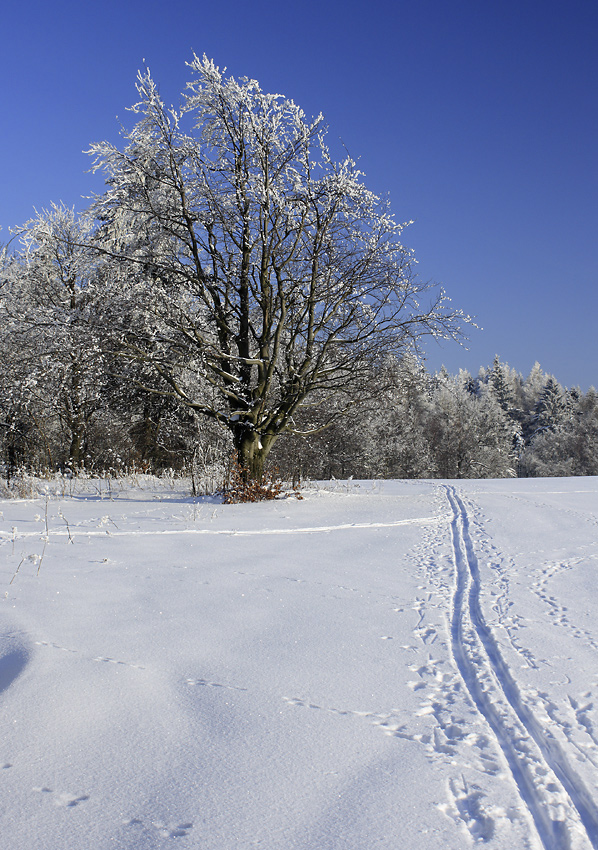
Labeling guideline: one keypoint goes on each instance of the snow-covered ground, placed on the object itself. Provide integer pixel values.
(389, 666)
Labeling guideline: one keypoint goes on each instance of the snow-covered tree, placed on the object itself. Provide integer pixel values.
(395, 442)
(533, 386)
(255, 275)
(47, 310)
(550, 407)
(470, 436)
(502, 379)
(570, 445)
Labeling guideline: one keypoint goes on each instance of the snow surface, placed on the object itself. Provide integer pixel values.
(376, 667)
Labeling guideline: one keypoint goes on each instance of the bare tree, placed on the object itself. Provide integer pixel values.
(254, 274)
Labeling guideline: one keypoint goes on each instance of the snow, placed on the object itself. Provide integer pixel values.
(399, 664)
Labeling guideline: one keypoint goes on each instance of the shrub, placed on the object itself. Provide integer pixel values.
(239, 487)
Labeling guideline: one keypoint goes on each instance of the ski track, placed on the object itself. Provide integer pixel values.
(77, 531)
(530, 748)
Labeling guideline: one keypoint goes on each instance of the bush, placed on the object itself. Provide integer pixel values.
(239, 487)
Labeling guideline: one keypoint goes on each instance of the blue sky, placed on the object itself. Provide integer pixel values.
(479, 119)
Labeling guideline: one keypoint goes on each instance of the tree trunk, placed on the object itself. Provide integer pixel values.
(77, 446)
(252, 450)
(75, 415)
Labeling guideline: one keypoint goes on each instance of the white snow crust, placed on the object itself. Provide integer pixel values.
(379, 666)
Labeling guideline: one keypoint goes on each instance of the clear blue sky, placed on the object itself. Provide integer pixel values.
(479, 118)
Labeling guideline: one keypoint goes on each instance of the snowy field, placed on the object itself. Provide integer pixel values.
(389, 666)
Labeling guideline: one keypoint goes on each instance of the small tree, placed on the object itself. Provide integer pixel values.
(252, 273)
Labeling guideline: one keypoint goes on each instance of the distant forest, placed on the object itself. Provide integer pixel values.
(497, 424)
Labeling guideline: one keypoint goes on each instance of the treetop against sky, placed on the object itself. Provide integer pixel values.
(478, 120)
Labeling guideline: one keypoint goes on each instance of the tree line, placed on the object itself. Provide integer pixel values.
(236, 289)
(497, 424)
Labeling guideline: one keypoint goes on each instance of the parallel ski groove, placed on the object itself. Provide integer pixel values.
(466, 603)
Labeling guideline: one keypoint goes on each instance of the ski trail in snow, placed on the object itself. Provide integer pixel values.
(76, 531)
(530, 749)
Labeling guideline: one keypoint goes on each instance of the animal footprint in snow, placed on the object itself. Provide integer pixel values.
(68, 801)
(165, 830)
(206, 684)
(467, 806)
(427, 635)
(54, 646)
(168, 831)
(429, 668)
(107, 660)
(63, 800)
(102, 658)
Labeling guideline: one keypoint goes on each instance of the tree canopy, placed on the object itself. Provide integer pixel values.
(254, 275)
